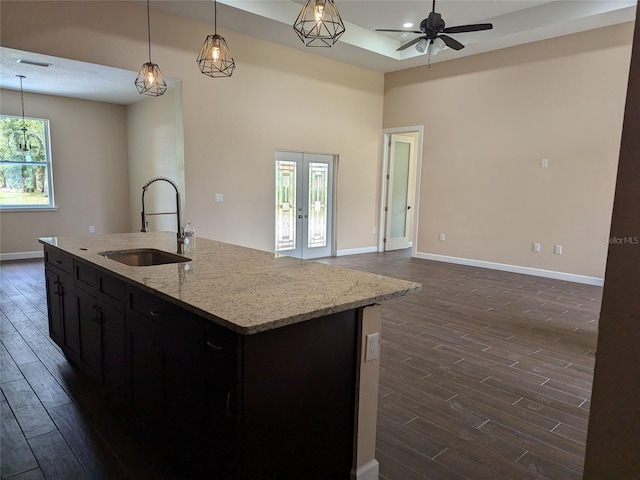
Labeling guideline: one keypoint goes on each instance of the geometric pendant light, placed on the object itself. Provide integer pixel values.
(24, 145)
(319, 23)
(150, 80)
(215, 59)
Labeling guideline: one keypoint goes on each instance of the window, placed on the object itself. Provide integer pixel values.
(25, 174)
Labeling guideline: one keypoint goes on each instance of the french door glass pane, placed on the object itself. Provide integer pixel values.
(399, 190)
(285, 205)
(318, 188)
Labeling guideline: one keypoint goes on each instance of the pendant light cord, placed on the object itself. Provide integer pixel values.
(215, 17)
(149, 30)
(22, 98)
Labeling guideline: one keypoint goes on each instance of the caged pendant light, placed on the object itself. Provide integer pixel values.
(215, 59)
(319, 23)
(150, 80)
(24, 145)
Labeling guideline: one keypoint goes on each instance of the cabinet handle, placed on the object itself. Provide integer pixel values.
(97, 314)
(229, 405)
(155, 313)
(214, 346)
(56, 290)
(58, 262)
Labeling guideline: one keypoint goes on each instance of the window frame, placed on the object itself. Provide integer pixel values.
(47, 163)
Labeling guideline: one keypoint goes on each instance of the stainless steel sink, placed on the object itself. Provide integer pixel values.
(144, 257)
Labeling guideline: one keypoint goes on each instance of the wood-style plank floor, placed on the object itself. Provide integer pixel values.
(484, 375)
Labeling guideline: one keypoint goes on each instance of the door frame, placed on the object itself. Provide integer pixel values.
(385, 139)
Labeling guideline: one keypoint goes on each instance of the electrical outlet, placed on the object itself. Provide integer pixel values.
(544, 163)
(373, 347)
(536, 247)
(219, 198)
(443, 237)
(92, 229)
(373, 231)
(558, 250)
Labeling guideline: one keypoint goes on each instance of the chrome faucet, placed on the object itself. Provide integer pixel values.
(145, 224)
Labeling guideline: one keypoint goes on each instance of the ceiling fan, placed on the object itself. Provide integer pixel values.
(434, 27)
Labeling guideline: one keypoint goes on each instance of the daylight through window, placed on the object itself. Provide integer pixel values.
(25, 163)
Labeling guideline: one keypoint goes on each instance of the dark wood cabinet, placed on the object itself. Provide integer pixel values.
(54, 305)
(112, 344)
(62, 318)
(164, 348)
(86, 320)
(275, 404)
(90, 333)
(222, 406)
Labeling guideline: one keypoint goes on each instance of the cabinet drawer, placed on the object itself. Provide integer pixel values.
(151, 306)
(111, 290)
(85, 276)
(59, 259)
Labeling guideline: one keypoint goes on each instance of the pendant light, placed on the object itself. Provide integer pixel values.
(150, 80)
(319, 23)
(23, 144)
(215, 59)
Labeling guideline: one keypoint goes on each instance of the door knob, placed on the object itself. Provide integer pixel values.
(299, 216)
(409, 208)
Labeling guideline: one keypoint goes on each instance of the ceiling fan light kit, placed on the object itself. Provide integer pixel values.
(150, 80)
(434, 34)
(319, 23)
(215, 59)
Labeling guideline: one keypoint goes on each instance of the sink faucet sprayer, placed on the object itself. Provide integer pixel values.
(145, 224)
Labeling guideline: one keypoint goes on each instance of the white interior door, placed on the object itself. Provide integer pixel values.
(397, 208)
(304, 204)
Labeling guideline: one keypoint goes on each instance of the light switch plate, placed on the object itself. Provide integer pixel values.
(219, 197)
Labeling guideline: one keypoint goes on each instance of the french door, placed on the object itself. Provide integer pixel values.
(304, 204)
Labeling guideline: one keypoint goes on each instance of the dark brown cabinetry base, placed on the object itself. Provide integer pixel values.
(274, 405)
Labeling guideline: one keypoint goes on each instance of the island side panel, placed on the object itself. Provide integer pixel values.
(365, 464)
(299, 388)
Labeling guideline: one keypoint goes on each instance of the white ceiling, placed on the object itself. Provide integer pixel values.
(514, 22)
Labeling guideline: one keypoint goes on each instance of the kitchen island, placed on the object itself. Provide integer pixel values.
(253, 364)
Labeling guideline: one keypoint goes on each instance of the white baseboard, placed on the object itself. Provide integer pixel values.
(569, 277)
(369, 471)
(355, 251)
(21, 255)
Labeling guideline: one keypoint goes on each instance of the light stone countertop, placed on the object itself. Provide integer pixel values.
(245, 290)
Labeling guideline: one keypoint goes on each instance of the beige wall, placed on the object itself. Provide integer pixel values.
(155, 148)
(489, 121)
(89, 158)
(278, 98)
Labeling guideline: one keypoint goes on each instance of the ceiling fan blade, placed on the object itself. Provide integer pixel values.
(451, 43)
(469, 28)
(408, 44)
(399, 31)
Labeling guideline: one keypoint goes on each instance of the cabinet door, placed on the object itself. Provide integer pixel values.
(146, 367)
(183, 362)
(90, 354)
(221, 397)
(70, 317)
(114, 364)
(166, 358)
(54, 305)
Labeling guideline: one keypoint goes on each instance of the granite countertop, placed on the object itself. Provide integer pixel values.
(245, 290)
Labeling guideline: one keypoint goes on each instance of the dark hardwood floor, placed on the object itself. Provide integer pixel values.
(484, 375)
